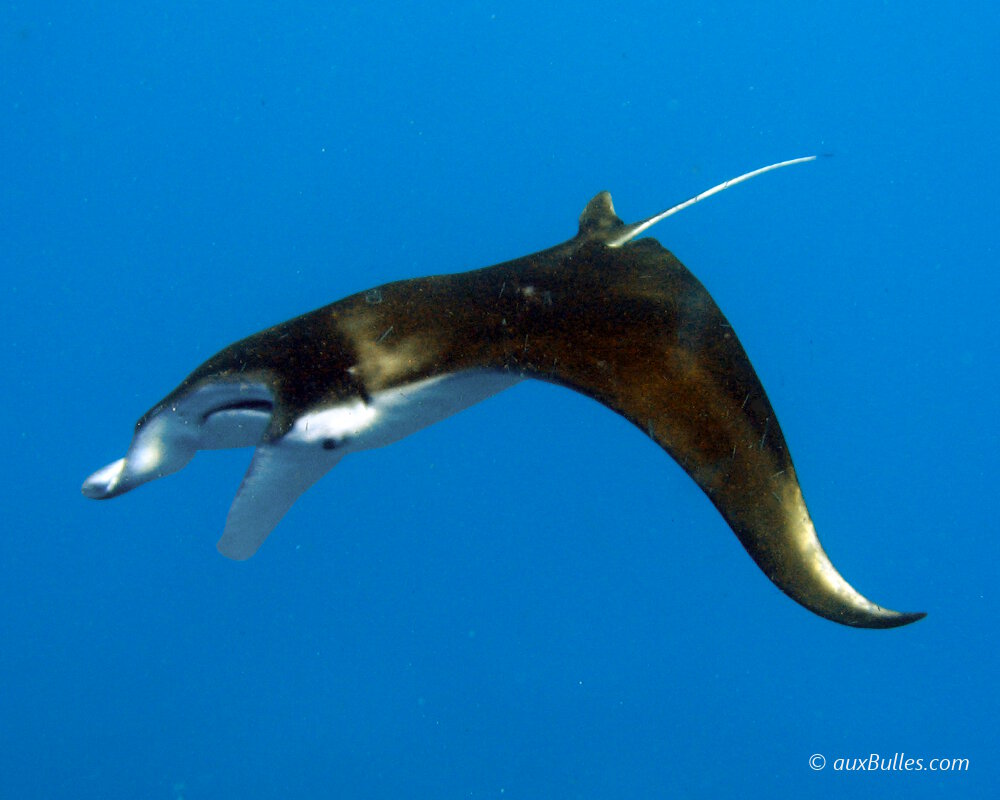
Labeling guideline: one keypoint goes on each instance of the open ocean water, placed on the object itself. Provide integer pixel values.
(529, 600)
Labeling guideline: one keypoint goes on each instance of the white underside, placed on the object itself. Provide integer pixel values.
(396, 413)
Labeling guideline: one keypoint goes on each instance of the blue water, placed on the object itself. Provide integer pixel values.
(529, 600)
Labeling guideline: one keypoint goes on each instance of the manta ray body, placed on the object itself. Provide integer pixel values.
(609, 315)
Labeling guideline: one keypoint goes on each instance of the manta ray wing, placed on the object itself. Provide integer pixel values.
(640, 334)
(279, 473)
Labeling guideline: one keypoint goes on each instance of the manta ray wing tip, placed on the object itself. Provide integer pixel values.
(900, 618)
(877, 617)
(234, 549)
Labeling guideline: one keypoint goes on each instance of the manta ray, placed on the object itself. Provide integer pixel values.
(615, 317)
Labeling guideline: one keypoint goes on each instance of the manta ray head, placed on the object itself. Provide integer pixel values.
(209, 416)
(294, 449)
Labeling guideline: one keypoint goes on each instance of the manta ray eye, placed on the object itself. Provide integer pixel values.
(329, 444)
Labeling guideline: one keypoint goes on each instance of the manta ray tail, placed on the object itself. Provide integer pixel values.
(629, 232)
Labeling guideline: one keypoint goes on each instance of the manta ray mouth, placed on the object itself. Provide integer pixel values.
(264, 406)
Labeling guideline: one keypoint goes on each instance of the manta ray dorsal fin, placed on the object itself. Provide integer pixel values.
(598, 220)
(628, 232)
